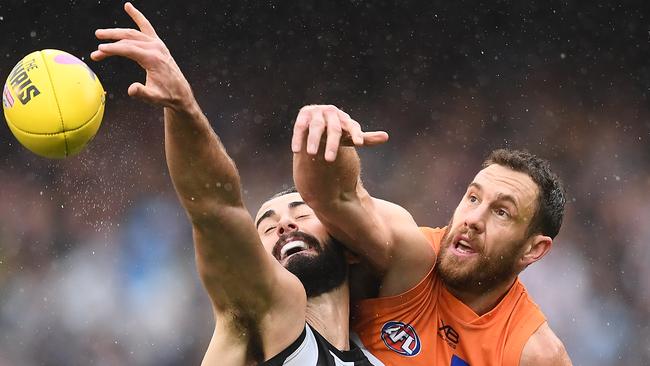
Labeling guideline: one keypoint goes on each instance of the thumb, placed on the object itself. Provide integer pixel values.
(139, 91)
(374, 138)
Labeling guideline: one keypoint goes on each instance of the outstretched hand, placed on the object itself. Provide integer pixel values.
(318, 122)
(165, 83)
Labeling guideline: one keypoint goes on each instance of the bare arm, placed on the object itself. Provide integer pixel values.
(243, 280)
(544, 348)
(327, 176)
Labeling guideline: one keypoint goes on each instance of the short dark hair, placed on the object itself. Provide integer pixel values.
(551, 198)
(291, 189)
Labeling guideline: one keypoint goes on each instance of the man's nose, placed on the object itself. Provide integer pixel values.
(286, 226)
(475, 219)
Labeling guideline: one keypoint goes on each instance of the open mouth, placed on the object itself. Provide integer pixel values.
(291, 244)
(292, 247)
(462, 246)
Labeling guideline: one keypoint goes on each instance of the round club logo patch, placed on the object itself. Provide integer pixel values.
(401, 338)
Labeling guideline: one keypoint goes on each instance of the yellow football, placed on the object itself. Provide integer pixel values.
(53, 103)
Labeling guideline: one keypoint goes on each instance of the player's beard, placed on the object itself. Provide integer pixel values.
(479, 274)
(323, 272)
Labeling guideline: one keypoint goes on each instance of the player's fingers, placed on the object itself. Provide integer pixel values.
(316, 129)
(374, 138)
(135, 50)
(98, 55)
(334, 132)
(140, 20)
(353, 129)
(300, 129)
(120, 33)
(342, 114)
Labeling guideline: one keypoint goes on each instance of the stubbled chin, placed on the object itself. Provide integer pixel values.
(454, 261)
(454, 266)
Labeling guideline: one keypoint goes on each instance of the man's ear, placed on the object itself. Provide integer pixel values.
(537, 248)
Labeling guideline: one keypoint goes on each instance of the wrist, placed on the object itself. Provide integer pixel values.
(186, 107)
(182, 101)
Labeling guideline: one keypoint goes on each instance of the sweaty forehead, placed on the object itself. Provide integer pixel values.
(501, 179)
(278, 204)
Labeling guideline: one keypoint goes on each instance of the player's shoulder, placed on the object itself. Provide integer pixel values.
(544, 348)
(433, 232)
(433, 235)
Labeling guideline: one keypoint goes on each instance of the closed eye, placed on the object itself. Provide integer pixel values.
(269, 229)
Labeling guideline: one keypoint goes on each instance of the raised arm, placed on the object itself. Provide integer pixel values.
(244, 282)
(326, 170)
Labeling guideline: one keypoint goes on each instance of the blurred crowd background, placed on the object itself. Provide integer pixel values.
(96, 257)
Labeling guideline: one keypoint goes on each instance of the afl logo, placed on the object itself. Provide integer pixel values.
(401, 338)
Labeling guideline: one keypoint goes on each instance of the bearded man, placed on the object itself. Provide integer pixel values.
(446, 296)
(264, 314)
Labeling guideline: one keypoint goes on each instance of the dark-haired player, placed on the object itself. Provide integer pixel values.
(467, 307)
(264, 313)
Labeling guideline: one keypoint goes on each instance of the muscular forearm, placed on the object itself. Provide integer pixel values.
(322, 183)
(226, 241)
(383, 234)
(202, 172)
(199, 166)
(333, 190)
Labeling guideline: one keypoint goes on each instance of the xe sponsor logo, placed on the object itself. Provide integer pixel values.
(401, 338)
(448, 334)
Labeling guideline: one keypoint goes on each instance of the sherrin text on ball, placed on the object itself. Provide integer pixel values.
(53, 103)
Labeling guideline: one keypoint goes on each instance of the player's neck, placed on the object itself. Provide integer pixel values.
(329, 314)
(483, 301)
